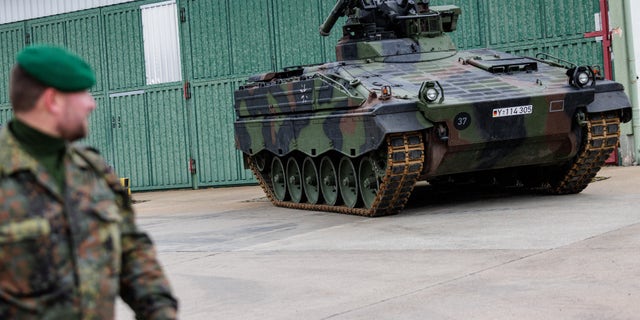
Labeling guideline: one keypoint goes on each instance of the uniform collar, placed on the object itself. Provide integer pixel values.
(14, 159)
(36, 142)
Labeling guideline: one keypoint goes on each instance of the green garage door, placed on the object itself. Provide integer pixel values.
(150, 133)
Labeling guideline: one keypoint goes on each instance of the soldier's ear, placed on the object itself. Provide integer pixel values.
(52, 101)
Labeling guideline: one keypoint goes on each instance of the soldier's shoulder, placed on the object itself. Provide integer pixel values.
(94, 159)
(92, 156)
(86, 149)
(4, 146)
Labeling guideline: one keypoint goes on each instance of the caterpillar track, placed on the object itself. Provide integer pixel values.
(602, 135)
(395, 181)
(405, 156)
(459, 118)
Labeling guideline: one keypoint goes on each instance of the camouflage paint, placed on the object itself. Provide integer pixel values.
(395, 50)
(354, 126)
(357, 117)
(67, 254)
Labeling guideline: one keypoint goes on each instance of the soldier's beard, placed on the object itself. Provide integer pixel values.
(72, 133)
(72, 121)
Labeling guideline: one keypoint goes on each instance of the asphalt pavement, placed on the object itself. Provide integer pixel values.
(472, 254)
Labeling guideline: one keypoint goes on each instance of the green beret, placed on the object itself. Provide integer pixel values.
(56, 67)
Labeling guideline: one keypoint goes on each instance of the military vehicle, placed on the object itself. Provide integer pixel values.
(402, 105)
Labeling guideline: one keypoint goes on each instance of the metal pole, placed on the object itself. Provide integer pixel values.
(633, 78)
(606, 39)
(605, 34)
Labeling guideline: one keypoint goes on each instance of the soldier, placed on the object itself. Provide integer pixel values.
(69, 244)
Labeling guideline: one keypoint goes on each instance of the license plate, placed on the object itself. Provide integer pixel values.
(512, 111)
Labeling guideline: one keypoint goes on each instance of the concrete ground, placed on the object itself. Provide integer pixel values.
(466, 255)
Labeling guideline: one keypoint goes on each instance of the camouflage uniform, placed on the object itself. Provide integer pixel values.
(67, 254)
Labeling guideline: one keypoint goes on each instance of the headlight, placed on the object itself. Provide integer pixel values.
(432, 94)
(581, 77)
(430, 91)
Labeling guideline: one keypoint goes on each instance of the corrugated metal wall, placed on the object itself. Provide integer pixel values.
(140, 129)
(17, 10)
(527, 27)
(11, 41)
(124, 49)
(218, 161)
(150, 132)
(228, 41)
(149, 135)
(80, 32)
(5, 115)
(100, 127)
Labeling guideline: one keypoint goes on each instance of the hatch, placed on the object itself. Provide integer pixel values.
(504, 65)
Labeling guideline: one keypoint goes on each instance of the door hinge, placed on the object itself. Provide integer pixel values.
(183, 15)
(116, 122)
(27, 38)
(192, 166)
(186, 90)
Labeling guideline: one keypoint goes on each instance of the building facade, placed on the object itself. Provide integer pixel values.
(167, 70)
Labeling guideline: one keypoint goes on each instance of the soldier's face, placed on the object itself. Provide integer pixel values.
(74, 122)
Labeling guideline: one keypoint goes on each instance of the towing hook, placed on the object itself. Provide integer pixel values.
(581, 118)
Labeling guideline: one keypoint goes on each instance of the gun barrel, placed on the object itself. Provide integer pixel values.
(338, 11)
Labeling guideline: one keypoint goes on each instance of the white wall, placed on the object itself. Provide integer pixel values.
(17, 10)
(635, 21)
(161, 42)
(631, 144)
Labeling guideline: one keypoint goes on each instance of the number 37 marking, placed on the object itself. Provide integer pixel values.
(462, 121)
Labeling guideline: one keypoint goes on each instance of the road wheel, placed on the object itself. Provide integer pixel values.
(328, 181)
(278, 179)
(348, 182)
(310, 181)
(369, 181)
(294, 181)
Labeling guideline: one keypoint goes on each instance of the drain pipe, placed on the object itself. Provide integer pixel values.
(633, 78)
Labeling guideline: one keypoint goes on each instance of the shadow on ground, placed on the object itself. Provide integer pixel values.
(425, 196)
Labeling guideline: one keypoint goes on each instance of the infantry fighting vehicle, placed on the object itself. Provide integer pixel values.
(402, 105)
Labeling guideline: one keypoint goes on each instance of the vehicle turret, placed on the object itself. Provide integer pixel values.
(408, 30)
